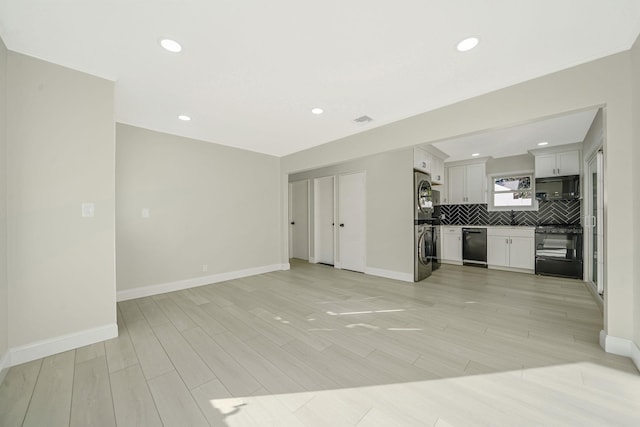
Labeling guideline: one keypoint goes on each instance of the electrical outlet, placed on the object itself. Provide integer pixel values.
(88, 210)
(205, 268)
(145, 213)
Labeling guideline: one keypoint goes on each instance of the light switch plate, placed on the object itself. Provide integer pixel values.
(88, 210)
(145, 213)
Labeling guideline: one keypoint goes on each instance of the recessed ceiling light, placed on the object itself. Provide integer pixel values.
(543, 143)
(475, 154)
(467, 44)
(317, 110)
(184, 118)
(171, 45)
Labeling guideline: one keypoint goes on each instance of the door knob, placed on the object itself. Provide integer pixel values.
(293, 222)
(341, 225)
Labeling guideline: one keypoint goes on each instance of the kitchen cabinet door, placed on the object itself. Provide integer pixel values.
(475, 184)
(498, 251)
(456, 184)
(437, 170)
(545, 165)
(521, 252)
(452, 244)
(421, 160)
(558, 164)
(568, 163)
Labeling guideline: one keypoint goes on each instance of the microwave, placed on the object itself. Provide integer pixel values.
(558, 188)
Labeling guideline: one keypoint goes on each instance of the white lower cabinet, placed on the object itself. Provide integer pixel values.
(511, 248)
(451, 245)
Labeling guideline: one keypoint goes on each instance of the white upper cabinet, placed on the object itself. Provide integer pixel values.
(421, 160)
(558, 164)
(475, 183)
(429, 163)
(437, 170)
(568, 163)
(456, 184)
(466, 184)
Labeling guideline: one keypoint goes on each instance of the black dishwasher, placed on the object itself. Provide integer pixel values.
(474, 247)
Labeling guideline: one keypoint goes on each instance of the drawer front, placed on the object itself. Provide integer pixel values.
(510, 232)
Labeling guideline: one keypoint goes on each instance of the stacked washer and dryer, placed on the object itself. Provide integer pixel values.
(426, 226)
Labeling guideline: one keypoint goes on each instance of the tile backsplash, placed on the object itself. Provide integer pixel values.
(549, 212)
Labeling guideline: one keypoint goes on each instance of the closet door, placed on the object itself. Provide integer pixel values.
(323, 220)
(299, 219)
(351, 221)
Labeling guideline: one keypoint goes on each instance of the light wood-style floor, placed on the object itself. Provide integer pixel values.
(316, 346)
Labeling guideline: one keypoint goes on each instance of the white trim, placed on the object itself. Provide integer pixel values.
(621, 347)
(312, 260)
(512, 269)
(146, 291)
(389, 274)
(490, 192)
(44, 348)
(4, 366)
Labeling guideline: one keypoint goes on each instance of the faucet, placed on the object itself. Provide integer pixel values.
(513, 218)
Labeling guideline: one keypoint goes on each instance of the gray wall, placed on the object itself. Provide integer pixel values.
(594, 136)
(4, 307)
(524, 162)
(60, 153)
(635, 57)
(389, 207)
(605, 81)
(208, 204)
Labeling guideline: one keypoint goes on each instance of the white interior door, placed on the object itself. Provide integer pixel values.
(351, 221)
(299, 220)
(323, 220)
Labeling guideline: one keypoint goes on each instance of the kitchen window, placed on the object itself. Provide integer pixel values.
(512, 192)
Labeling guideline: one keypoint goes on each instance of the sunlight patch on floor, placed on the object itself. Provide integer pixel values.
(569, 395)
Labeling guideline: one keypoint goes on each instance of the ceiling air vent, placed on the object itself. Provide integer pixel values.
(363, 120)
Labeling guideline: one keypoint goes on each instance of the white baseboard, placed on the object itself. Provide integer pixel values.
(621, 347)
(146, 291)
(312, 260)
(44, 348)
(4, 366)
(512, 269)
(389, 274)
(635, 354)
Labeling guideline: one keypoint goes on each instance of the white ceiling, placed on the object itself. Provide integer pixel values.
(251, 70)
(512, 141)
